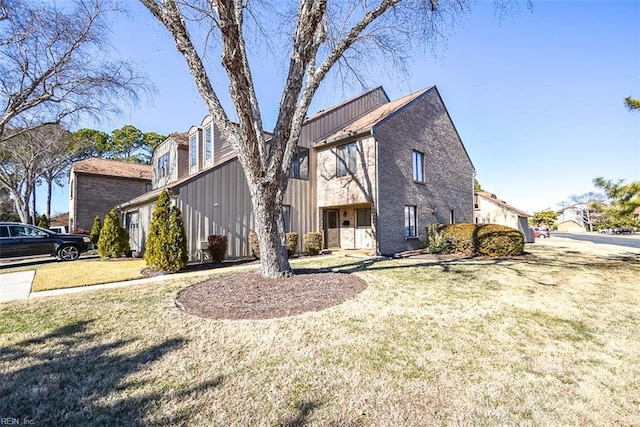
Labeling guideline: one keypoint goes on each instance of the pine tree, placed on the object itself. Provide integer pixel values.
(154, 254)
(114, 240)
(176, 243)
(94, 235)
(43, 221)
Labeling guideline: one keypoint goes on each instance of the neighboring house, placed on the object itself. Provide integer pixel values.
(368, 173)
(491, 210)
(97, 185)
(574, 218)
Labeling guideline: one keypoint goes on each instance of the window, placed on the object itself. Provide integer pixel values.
(410, 226)
(453, 218)
(363, 217)
(193, 151)
(346, 159)
(163, 165)
(300, 164)
(208, 145)
(418, 166)
(286, 218)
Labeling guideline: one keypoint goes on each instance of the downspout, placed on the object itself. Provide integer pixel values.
(377, 199)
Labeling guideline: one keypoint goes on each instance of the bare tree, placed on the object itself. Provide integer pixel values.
(323, 35)
(54, 66)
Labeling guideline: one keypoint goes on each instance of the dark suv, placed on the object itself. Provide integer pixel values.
(20, 240)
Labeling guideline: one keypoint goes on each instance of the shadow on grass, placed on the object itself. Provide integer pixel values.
(72, 376)
(545, 264)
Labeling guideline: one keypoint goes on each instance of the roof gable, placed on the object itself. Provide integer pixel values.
(494, 199)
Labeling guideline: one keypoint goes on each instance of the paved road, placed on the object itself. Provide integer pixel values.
(627, 240)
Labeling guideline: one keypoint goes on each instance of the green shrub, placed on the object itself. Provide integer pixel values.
(217, 246)
(94, 235)
(254, 245)
(176, 243)
(292, 243)
(498, 240)
(312, 243)
(166, 245)
(475, 239)
(43, 221)
(114, 240)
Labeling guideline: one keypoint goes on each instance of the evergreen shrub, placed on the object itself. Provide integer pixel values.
(217, 246)
(312, 243)
(114, 239)
(254, 245)
(475, 239)
(94, 234)
(292, 243)
(166, 244)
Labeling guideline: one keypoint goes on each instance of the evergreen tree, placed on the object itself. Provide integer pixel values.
(43, 221)
(94, 235)
(114, 240)
(155, 254)
(176, 243)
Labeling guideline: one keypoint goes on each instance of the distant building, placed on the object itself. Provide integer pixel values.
(491, 210)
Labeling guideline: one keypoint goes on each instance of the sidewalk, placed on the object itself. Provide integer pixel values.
(16, 285)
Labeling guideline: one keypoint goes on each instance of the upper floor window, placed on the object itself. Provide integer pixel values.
(193, 151)
(410, 225)
(300, 164)
(418, 166)
(208, 145)
(346, 159)
(163, 166)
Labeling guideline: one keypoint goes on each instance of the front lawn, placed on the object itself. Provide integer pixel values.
(551, 339)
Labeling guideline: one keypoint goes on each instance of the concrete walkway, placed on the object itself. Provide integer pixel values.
(15, 286)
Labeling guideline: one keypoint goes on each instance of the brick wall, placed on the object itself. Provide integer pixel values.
(96, 195)
(423, 125)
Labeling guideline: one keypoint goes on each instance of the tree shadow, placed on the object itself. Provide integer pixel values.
(73, 376)
(510, 263)
(299, 419)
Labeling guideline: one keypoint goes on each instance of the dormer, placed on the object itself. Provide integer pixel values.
(170, 160)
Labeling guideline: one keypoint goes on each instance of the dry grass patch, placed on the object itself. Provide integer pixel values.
(550, 340)
(84, 273)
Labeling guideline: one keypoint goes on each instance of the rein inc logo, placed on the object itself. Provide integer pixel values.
(16, 421)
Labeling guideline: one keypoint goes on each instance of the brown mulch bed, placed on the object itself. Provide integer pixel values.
(250, 296)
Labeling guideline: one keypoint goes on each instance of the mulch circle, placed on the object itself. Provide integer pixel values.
(250, 296)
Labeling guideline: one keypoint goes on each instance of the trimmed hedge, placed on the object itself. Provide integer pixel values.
(312, 243)
(475, 239)
(217, 246)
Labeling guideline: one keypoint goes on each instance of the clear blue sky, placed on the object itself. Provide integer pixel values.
(537, 97)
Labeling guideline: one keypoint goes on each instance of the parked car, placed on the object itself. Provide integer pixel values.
(21, 240)
(60, 229)
(542, 232)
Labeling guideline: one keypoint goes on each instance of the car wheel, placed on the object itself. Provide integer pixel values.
(68, 253)
(543, 236)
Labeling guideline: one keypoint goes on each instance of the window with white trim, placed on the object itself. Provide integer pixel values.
(208, 145)
(363, 217)
(410, 221)
(346, 159)
(418, 166)
(300, 164)
(193, 151)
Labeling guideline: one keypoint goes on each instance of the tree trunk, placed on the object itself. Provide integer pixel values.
(49, 188)
(269, 226)
(33, 214)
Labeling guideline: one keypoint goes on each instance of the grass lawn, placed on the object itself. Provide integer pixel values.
(553, 339)
(84, 272)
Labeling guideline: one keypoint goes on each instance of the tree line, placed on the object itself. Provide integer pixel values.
(43, 155)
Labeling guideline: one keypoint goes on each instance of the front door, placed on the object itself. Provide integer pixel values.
(331, 229)
(131, 221)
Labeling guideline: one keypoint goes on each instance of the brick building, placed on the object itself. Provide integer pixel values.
(369, 173)
(97, 185)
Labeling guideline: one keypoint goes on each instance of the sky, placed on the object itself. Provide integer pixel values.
(536, 96)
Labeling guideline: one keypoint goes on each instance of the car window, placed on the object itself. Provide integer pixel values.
(23, 231)
(4, 231)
